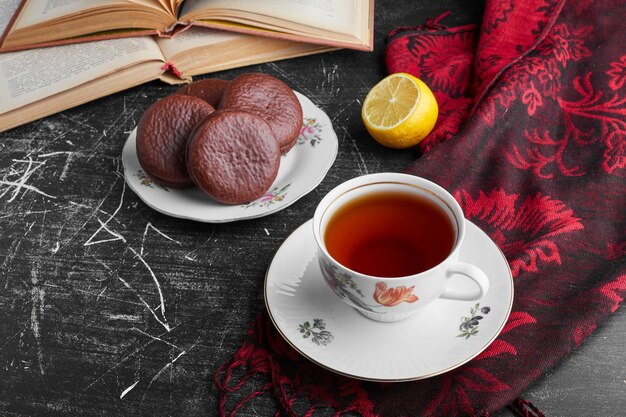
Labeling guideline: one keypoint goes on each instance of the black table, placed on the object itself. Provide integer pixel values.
(76, 337)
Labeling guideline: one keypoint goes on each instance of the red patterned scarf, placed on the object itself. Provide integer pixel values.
(531, 140)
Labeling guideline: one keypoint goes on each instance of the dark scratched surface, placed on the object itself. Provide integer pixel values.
(109, 308)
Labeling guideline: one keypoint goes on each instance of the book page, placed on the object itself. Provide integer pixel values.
(193, 38)
(91, 90)
(201, 51)
(31, 75)
(334, 16)
(37, 11)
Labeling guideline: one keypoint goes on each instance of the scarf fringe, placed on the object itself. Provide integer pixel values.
(430, 25)
(255, 361)
(524, 408)
(250, 361)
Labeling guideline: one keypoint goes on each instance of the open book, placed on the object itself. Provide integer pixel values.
(39, 82)
(337, 23)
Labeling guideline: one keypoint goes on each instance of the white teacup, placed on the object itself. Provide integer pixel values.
(391, 299)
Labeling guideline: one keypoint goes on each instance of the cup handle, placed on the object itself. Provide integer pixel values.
(472, 272)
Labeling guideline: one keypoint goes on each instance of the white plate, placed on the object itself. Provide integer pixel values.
(301, 170)
(335, 336)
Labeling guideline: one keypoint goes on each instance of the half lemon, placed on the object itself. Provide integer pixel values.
(400, 111)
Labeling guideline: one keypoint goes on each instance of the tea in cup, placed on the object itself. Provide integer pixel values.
(388, 245)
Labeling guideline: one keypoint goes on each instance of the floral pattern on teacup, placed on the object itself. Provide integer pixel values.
(317, 332)
(310, 132)
(390, 297)
(469, 324)
(344, 286)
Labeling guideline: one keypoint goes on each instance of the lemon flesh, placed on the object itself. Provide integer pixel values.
(399, 111)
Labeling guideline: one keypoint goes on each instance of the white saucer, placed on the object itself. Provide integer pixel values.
(301, 170)
(335, 336)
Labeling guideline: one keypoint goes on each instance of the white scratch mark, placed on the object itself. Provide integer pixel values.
(158, 374)
(36, 313)
(79, 204)
(156, 338)
(125, 317)
(329, 77)
(102, 263)
(21, 183)
(28, 161)
(13, 337)
(161, 322)
(31, 226)
(103, 225)
(129, 389)
(107, 297)
(93, 213)
(118, 364)
(28, 213)
(145, 232)
(54, 153)
(56, 248)
(67, 162)
(154, 278)
(293, 81)
(362, 165)
(339, 112)
(228, 326)
(66, 166)
(195, 251)
(9, 258)
(266, 231)
(101, 292)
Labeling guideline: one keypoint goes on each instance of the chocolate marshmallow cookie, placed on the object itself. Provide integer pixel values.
(233, 156)
(209, 90)
(162, 135)
(272, 100)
